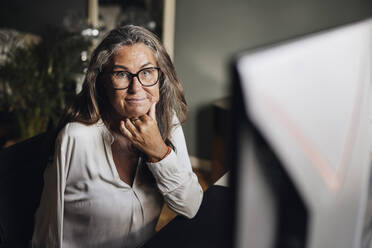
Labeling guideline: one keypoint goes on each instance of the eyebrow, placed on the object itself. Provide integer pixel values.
(126, 68)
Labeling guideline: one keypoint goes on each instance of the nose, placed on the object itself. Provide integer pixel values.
(135, 85)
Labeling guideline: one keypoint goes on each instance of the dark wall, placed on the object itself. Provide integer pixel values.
(208, 33)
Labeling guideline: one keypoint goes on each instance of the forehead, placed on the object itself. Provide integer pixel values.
(133, 56)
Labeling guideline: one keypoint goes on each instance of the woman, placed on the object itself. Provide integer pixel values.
(120, 152)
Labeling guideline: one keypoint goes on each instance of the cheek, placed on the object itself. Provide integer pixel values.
(156, 96)
(116, 100)
(154, 93)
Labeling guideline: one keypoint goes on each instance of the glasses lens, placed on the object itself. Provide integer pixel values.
(148, 76)
(121, 79)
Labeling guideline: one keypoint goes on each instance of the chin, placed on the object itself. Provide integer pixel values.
(136, 112)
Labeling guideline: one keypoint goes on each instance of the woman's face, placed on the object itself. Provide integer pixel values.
(135, 100)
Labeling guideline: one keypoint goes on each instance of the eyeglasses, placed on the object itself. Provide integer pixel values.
(147, 77)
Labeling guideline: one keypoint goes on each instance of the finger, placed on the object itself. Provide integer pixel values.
(125, 131)
(131, 128)
(136, 121)
(144, 118)
(152, 111)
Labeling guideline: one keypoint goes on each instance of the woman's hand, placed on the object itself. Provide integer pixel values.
(144, 133)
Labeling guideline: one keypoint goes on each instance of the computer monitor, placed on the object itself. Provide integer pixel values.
(302, 141)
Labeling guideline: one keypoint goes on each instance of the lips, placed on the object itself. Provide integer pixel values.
(135, 99)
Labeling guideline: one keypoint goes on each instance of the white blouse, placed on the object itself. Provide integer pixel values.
(85, 203)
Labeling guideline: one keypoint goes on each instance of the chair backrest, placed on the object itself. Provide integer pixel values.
(21, 182)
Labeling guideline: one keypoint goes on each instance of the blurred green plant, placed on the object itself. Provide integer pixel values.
(38, 79)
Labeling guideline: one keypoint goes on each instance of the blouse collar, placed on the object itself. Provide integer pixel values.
(109, 138)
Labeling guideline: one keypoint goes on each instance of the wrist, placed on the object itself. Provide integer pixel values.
(155, 159)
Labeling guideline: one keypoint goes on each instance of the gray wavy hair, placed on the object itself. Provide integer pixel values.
(91, 104)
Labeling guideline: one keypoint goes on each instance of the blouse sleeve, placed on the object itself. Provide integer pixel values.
(49, 219)
(175, 178)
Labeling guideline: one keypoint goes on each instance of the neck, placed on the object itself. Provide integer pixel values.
(112, 121)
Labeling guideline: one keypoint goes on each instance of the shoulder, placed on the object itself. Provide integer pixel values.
(176, 126)
(177, 136)
(80, 131)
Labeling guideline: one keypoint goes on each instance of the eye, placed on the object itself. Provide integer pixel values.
(148, 72)
(120, 74)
